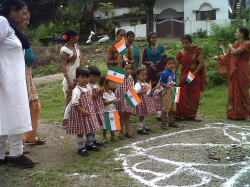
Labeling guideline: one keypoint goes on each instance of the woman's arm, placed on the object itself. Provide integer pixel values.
(65, 72)
(144, 59)
(139, 60)
(111, 62)
(176, 65)
(131, 57)
(201, 64)
(236, 51)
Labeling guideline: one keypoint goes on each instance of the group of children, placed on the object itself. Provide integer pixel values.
(89, 102)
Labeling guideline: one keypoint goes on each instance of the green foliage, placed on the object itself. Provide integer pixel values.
(106, 8)
(200, 33)
(47, 70)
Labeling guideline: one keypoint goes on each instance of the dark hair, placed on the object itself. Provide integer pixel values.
(187, 37)
(118, 31)
(124, 63)
(245, 32)
(94, 71)
(168, 59)
(69, 33)
(103, 80)
(82, 71)
(7, 5)
(149, 36)
(139, 70)
(130, 33)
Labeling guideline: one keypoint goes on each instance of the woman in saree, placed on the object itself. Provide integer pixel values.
(238, 76)
(70, 61)
(192, 60)
(151, 55)
(114, 56)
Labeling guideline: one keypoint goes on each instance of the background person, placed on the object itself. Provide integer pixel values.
(191, 59)
(14, 108)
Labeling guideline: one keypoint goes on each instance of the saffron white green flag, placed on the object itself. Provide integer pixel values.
(176, 97)
(190, 77)
(121, 47)
(222, 48)
(112, 120)
(132, 98)
(149, 89)
(116, 74)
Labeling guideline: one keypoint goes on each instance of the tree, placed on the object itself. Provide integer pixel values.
(149, 8)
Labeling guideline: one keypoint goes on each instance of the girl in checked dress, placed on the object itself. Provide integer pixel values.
(123, 107)
(82, 115)
(146, 107)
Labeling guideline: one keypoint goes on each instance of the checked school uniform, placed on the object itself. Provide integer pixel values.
(146, 107)
(157, 98)
(111, 107)
(79, 123)
(121, 89)
(98, 104)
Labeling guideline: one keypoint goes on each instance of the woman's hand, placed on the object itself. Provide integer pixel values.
(70, 86)
(230, 46)
(164, 55)
(152, 65)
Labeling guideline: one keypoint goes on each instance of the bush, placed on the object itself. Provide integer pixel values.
(200, 34)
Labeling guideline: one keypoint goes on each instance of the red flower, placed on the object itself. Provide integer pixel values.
(64, 37)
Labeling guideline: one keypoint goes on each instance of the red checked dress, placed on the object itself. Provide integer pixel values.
(98, 104)
(157, 98)
(79, 123)
(146, 107)
(121, 89)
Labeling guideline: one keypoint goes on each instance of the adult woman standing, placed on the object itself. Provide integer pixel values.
(136, 52)
(192, 60)
(14, 108)
(114, 56)
(238, 76)
(70, 61)
(151, 55)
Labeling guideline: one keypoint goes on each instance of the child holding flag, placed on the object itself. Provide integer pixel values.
(168, 81)
(82, 115)
(146, 107)
(123, 106)
(109, 100)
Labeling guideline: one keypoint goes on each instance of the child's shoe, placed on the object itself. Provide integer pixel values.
(83, 152)
(21, 162)
(173, 125)
(142, 131)
(164, 126)
(159, 118)
(146, 129)
(114, 139)
(98, 143)
(105, 140)
(92, 147)
(4, 161)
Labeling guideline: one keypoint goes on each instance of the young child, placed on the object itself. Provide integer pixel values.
(123, 107)
(109, 100)
(157, 99)
(146, 107)
(97, 95)
(168, 81)
(82, 115)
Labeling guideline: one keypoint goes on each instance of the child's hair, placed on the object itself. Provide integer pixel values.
(124, 63)
(68, 33)
(94, 71)
(118, 31)
(130, 33)
(139, 70)
(168, 59)
(187, 37)
(103, 81)
(82, 71)
(149, 36)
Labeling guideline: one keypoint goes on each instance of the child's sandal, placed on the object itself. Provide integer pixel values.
(121, 136)
(164, 126)
(105, 140)
(114, 139)
(128, 135)
(173, 125)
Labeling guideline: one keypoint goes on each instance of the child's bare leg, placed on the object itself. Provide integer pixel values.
(104, 133)
(170, 117)
(113, 137)
(127, 122)
(163, 116)
(122, 121)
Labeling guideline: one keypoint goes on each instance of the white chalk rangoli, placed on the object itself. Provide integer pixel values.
(148, 164)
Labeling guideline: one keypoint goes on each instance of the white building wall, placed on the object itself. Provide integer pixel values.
(118, 12)
(139, 30)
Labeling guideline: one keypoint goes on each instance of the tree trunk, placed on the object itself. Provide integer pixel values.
(150, 17)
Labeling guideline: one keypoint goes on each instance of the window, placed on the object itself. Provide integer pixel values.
(202, 15)
(127, 2)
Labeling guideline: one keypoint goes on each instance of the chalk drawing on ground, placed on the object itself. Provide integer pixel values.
(147, 161)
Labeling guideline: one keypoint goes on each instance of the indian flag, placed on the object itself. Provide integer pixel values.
(132, 98)
(176, 97)
(125, 58)
(149, 90)
(222, 48)
(190, 77)
(112, 121)
(116, 74)
(121, 47)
